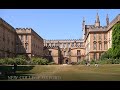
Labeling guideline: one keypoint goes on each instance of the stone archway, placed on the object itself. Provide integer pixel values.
(66, 60)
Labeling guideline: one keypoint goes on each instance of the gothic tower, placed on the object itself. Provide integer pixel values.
(107, 20)
(97, 21)
(83, 27)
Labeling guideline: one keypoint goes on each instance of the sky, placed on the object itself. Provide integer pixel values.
(56, 23)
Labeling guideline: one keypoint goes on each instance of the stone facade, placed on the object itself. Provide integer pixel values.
(7, 39)
(96, 40)
(29, 42)
(19, 41)
(65, 51)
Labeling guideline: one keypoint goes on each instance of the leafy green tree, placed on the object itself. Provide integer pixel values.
(116, 41)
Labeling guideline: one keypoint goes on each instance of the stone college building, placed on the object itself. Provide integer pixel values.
(25, 41)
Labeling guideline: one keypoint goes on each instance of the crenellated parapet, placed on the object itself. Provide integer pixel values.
(51, 47)
(66, 43)
(27, 31)
(63, 40)
(23, 30)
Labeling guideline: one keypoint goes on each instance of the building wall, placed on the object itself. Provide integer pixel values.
(23, 45)
(109, 34)
(32, 43)
(76, 55)
(54, 54)
(7, 39)
(100, 41)
(27, 41)
(73, 59)
(68, 49)
(37, 45)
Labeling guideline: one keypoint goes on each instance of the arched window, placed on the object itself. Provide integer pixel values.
(105, 45)
(94, 36)
(94, 45)
(100, 36)
(105, 36)
(100, 46)
(72, 45)
(68, 45)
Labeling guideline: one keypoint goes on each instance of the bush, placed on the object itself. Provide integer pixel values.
(21, 56)
(116, 61)
(44, 61)
(106, 61)
(93, 62)
(21, 60)
(109, 61)
(83, 62)
(107, 54)
(2, 61)
(10, 61)
(39, 61)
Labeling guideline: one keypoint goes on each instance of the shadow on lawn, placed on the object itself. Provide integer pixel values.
(6, 72)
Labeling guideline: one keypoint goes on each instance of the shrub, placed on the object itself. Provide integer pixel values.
(7, 61)
(10, 60)
(106, 61)
(109, 61)
(39, 61)
(20, 61)
(93, 62)
(2, 61)
(107, 54)
(21, 56)
(44, 61)
(116, 61)
(102, 62)
(83, 62)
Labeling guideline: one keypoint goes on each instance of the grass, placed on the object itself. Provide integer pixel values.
(109, 72)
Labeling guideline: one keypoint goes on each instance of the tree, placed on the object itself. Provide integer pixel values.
(116, 41)
(114, 52)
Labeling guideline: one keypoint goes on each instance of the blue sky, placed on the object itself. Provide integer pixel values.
(56, 23)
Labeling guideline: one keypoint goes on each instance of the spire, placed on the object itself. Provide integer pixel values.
(97, 18)
(107, 20)
(83, 27)
(83, 23)
(97, 21)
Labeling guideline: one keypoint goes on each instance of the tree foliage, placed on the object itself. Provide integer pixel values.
(116, 41)
(113, 54)
(107, 54)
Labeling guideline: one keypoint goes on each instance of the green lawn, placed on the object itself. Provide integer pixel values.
(71, 73)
